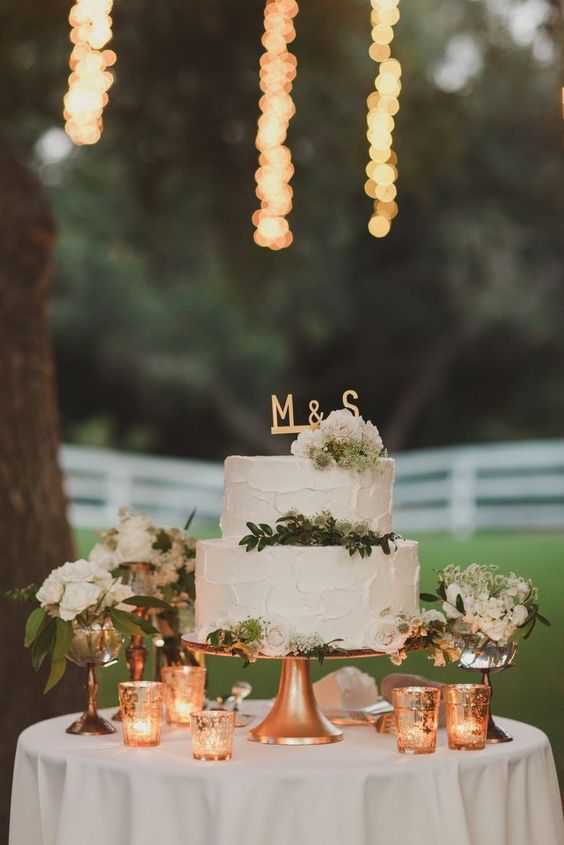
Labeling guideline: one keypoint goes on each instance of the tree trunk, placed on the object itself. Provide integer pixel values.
(34, 532)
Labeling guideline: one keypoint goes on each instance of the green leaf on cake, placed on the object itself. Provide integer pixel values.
(295, 529)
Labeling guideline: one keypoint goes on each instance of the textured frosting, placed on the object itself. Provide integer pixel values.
(312, 590)
(261, 489)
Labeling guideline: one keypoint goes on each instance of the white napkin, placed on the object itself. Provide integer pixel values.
(346, 689)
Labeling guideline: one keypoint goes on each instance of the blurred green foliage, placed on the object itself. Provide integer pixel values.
(172, 328)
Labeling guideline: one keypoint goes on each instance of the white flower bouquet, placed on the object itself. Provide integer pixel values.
(482, 605)
(172, 551)
(79, 594)
(343, 440)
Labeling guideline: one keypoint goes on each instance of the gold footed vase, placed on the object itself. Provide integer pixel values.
(295, 718)
(140, 576)
(97, 645)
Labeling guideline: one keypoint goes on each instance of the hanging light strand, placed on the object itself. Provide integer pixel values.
(278, 69)
(383, 105)
(90, 79)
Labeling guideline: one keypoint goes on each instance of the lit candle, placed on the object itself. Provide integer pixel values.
(141, 704)
(416, 714)
(467, 710)
(184, 692)
(212, 734)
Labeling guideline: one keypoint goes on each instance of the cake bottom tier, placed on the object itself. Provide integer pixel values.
(322, 592)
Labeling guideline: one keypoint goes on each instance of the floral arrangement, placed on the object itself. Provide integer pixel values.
(295, 529)
(252, 637)
(77, 594)
(171, 550)
(343, 440)
(391, 635)
(480, 603)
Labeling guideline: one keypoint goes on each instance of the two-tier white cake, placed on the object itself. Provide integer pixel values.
(322, 591)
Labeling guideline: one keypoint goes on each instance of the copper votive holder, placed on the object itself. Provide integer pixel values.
(416, 714)
(184, 691)
(467, 711)
(141, 707)
(212, 734)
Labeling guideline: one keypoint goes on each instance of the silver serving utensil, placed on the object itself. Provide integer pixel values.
(239, 691)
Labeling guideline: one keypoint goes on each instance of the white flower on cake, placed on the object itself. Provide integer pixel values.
(276, 642)
(342, 425)
(342, 440)
(388, 635)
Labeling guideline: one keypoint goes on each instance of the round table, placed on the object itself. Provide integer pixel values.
(73, 790)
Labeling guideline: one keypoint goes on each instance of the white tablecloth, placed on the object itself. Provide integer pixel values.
(72, 790)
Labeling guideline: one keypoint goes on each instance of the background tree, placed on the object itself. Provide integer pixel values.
(34, 532)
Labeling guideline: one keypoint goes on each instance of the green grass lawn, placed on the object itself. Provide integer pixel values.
(532, 691)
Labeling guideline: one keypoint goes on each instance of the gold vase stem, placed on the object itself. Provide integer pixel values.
(495, 733)
(295, 718)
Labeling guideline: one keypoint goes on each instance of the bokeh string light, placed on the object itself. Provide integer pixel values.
(90, 79)
(383, 105)
(278, 69)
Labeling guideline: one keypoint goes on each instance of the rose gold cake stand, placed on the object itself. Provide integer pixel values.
(295, 718)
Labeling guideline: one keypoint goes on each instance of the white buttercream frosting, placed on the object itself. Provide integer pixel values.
(261, 489)
(315, 590)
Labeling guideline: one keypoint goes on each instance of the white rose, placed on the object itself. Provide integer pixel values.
(135, 540)
(341, 425)
(78, 596)
(305, 441)
(371, 433)
(276, 641)
(50, 592)
(495, 629)
(78, 570)
(103, 556)
(384, 636)
(519, 615)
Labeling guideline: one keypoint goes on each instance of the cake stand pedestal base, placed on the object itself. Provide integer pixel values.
(295, 718)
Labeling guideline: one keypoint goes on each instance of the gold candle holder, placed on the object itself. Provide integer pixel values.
(141, 707)
(416, 714)
(184, 692)
(212, 734)
(467, 713)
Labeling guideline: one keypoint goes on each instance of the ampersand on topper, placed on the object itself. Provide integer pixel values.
(286, 412)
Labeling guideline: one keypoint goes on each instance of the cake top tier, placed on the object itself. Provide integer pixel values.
(262, 489)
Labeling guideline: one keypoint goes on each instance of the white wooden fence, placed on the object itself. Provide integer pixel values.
(457, 490)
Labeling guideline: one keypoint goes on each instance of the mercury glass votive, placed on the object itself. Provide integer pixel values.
(184, 690)
(212, 734)
(416, 714)
(467, 711)
(141, 707)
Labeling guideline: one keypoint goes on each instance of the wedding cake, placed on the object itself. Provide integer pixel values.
(302, 593)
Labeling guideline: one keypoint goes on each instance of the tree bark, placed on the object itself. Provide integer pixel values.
(34, 532)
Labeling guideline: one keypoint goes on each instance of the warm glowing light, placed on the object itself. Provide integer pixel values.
(383, 104)
(90, 79)
(278, 70)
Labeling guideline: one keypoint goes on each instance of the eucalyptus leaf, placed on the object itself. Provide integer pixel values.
(543, 620)
(34, 624)
(43, 644)
(147, 601)
(57, 671)
(63, 640)
(428, 597)
(189, 521)
(127, 623)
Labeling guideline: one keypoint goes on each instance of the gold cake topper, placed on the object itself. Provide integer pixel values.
(286, 411)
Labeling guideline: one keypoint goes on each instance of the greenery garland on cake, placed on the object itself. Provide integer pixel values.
(295, 529)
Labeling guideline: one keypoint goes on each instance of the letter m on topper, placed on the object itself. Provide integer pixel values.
(284, 412)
